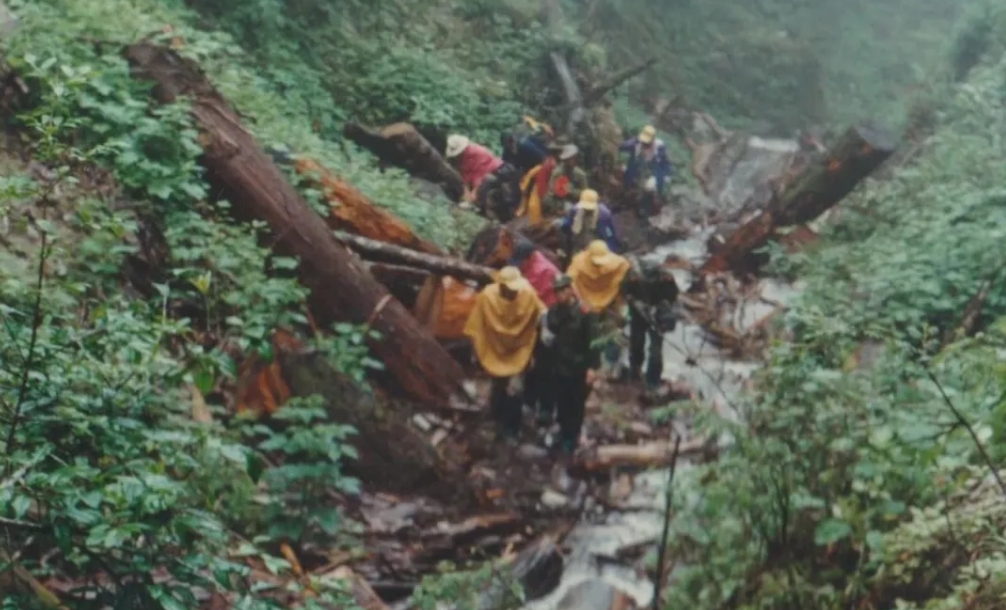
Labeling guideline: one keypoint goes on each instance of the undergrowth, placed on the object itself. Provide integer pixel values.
(868, 481)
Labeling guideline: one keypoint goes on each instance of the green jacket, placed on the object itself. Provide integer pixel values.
(576, 331)
(553, 205)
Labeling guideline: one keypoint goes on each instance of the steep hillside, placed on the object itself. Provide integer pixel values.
(130, 301)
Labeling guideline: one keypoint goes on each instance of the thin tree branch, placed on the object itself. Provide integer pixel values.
(658, 582)
(967, 426)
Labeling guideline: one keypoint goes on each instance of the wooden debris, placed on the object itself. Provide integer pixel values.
(341, 289)
(409, 464)
(351, 211)
(382, 252)
(402, 146)
(649, 455)
(820, 186)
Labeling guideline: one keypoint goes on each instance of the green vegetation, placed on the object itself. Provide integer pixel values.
(848, 485)
(862, 484)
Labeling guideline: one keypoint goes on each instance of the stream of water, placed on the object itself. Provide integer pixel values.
(591, 577)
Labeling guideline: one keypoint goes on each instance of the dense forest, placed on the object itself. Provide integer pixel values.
(195, 414)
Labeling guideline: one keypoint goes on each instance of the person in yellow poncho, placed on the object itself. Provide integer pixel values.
(598, 275)
(503, 328)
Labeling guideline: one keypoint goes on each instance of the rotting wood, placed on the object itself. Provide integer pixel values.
(376, 251)
(821, 185)
(341, 289)
(401, 145)
(389, 274)
(648, 455)
(351, 211)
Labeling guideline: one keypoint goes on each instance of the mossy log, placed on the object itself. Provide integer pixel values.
(401, 145)
(821, 185)
(341, 289)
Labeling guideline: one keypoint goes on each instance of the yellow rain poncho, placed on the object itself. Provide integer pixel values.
(597, 275)
(530, 200)
(503, 332)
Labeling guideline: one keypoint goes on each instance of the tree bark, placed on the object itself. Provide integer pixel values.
(350, 210)
(377, 251)
(341, 289)
(595, 93)
(392, 455)
(570, 88)
(821, 185)
(401, 145)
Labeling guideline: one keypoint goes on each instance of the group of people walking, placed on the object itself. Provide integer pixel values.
(545, 337)
(539, 177)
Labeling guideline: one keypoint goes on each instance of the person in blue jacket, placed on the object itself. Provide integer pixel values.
(588, 220)
(647, 170)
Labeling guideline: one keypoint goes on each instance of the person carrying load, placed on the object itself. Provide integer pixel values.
(571, 331)
(527, 146)
(541, 273)
(598, 275)
(588, 220)
(646, 171)
(490, 183)
(503, 328)
(651, 291)
(568, 182)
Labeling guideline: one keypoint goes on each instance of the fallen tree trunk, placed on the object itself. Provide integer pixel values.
(407, 465)
(571, 90)
(350, 210)
(649, 455)
(401, 145)
(341, 289)
(818, 187)
(443, 265)
(390, 275)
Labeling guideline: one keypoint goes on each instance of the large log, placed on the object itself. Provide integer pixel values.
(392, 455)
(376, 251)
(821, 185)
(350, 210)
(401, 145)
(341, 289)
(648, 455)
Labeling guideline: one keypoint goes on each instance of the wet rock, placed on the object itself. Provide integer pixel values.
(553, 499)
(594, 595)
(621, 489)
(532, 452)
